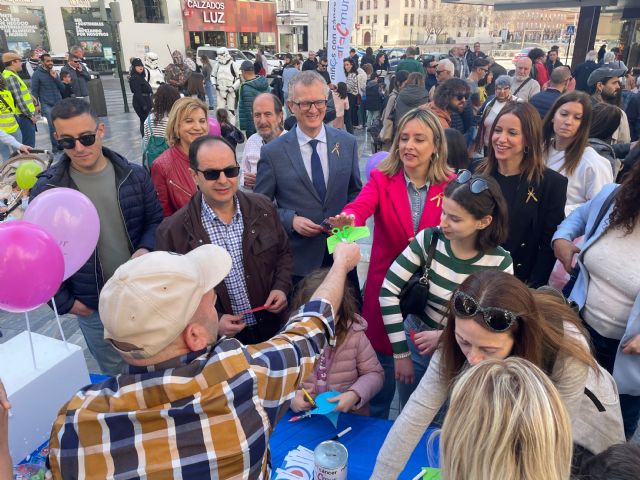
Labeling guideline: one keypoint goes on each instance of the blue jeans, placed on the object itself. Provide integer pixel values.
(46, 111)
(420, 362)
(372, 116)
(108, 358)
(605, 350)
(28, 129)
(6, 150)
(380, 404)
(208, 87)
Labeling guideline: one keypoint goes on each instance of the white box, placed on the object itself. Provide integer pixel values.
(36, 395)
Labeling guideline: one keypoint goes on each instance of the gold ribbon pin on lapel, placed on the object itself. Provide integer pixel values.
(531, 195)
(336, 149)
(438, 199)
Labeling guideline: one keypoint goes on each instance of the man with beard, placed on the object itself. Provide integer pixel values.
(267, 117)
(48, 88)
(523, 86)
(605, 86)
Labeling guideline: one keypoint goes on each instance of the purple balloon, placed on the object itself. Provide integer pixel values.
(373, 162)
(71, 219)
(31, 266)
(214, 127)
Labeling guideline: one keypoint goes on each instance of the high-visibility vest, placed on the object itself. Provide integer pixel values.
(24, 91)
(8, 121)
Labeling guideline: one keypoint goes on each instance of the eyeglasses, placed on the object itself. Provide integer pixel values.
(212, 174)
(319, 104)
(461, 96)
(485, 70)
(87, 140)
(477, 185)
(497, 319)
(323, 65)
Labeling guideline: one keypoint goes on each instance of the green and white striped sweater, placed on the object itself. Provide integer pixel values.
(446, 273)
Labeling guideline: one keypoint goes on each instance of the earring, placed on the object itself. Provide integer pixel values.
(435, 157)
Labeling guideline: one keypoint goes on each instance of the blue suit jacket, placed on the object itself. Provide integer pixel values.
(282, 177)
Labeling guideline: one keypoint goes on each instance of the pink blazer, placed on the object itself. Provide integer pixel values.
(387, 200)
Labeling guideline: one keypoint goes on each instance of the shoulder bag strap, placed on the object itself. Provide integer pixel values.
(430, 254)
(603, 211)
(522, 85)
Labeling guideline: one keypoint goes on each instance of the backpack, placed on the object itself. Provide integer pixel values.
(153, 148)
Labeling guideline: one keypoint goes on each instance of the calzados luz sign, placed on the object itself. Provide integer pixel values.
(212, 12)
(339, 28)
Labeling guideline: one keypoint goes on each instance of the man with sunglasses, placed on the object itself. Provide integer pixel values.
(311, 172)
(430, 79)
(127, 206)
(449, 103)
(79, 76)
(322, 69)
(444, 71)
(248, 227)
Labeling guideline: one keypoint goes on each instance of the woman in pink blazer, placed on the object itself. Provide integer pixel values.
(416, 169)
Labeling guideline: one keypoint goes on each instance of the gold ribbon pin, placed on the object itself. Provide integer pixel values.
(336, 149)
(531, 194)
(438, 199)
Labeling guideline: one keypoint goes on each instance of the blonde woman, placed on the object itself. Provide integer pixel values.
(404, 195)
(512, 409)
(170, 171)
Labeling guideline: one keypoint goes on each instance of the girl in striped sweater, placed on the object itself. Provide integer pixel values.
(472, 226)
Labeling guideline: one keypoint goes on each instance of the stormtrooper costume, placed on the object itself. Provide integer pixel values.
(152, 71)
(226, 81)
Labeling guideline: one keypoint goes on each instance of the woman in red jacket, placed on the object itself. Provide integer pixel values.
(404, 194)
(538, 58)
(170, 171)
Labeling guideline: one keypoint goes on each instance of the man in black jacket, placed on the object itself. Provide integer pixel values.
(582, 71)
(127, 206)
(311, 63)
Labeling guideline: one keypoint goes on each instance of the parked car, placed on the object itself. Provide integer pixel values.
(431, 56)
(212, 53)
(60, 61)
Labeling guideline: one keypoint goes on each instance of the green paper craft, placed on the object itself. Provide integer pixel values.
(346, 234)
(430, 473)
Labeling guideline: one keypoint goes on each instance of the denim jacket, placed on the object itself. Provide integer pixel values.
(626, 371)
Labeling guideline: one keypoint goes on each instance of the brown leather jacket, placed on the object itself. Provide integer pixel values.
(268, 262)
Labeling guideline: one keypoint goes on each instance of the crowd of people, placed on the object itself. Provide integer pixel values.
(496, 194)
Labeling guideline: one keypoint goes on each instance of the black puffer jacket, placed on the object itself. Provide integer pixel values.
(139, 207)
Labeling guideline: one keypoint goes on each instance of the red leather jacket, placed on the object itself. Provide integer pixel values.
(172, 179)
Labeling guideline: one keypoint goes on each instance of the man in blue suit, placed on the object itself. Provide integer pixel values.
(311, 172)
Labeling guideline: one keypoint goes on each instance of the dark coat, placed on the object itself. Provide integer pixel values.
(141, 94)
(373, 97)
(79, 79)
(532, 225)
(268, 262)
(581, 74)
(309, 64)
(248, 92)
(47, 89)
(410, 97)
(140, 210)
(633, 115)
(544, 100)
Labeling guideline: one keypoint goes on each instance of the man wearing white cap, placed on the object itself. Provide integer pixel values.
(190, 406)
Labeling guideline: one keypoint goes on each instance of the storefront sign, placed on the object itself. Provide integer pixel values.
(84, 29)
(341, 14)
(212, 12)
(22, 28)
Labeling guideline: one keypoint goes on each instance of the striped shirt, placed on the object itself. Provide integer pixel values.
(446, 273)
(208, 414)
(158, 129)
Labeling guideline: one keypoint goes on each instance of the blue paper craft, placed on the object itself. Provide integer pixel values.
(326, 408)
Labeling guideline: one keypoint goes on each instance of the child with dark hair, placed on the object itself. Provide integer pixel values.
(457, 153)
(618, 462)
(351, 366)
(230, 132)
(65, 77)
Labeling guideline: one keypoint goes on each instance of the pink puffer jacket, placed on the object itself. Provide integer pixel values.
(354, 366)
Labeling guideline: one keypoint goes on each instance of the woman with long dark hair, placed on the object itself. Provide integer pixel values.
(141, 92)
(536, 195)
(607, 288)
(163, 100)
(565, 131)
(493, 315)
(353, 90)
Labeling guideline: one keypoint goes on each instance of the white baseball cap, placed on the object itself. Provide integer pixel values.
(149, 300)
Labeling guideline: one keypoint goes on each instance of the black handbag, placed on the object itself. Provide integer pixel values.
(413, 297)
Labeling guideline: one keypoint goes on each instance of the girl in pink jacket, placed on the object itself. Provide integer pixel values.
(351, 367)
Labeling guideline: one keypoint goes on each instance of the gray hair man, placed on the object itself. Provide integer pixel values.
(543, 101)
(523, 85)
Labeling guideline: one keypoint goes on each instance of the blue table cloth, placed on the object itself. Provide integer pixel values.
(363, 442)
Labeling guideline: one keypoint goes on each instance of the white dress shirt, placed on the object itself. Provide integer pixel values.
(251, 155)
(321, 148)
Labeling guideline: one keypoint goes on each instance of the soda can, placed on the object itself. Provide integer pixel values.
(330, 461)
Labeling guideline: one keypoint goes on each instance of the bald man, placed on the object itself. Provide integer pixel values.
(523, 85)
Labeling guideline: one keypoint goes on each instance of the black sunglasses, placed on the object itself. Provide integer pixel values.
(212, 174)
(69, 143)
(461, 96)
(477, 185)
(497, 319)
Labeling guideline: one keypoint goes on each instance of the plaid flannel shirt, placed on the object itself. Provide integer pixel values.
(208, 414)
(14, 87)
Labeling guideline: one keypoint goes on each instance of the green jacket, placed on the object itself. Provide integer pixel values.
(410, 65)
(248, 92)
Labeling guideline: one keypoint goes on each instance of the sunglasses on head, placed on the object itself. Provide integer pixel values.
(477, 185)
(214, 174)
(69, 143)
(497, 319)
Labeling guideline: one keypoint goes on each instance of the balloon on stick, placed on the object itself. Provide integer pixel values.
(31, 266)
(71, 219)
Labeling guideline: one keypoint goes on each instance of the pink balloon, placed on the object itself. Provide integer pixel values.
(71, 219)
(31, 266)
(214, 127)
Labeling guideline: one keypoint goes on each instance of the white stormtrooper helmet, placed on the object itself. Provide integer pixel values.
(223, 55)
(151, 60)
